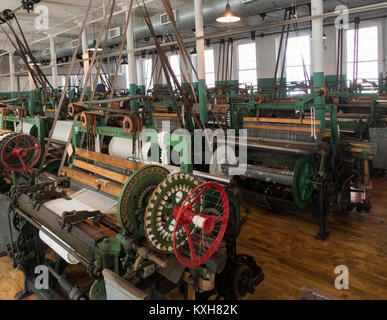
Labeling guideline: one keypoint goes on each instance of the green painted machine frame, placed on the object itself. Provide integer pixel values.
(39, 131)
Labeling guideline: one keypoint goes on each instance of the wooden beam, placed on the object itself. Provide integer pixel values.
(160, 108)
(279, 128)
(109, 160)
(221, 105)
(101, 171)
(165, 115)
(97, 183)
(282, 120)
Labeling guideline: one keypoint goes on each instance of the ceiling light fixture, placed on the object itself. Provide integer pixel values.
(124, 62)
(31, 64)
(93, 49)
(228, 16)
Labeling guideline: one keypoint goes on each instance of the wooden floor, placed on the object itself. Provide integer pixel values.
(11, 280)
(283, 245)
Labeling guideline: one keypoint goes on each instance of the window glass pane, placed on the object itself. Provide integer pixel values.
(247, 56)
(248, 76)
(147, 69)
(209, 60)
(368, 44)
(175, 65)
(210, 67)
(367, 53)
(297, 56)
(210, 79)
(247, 64)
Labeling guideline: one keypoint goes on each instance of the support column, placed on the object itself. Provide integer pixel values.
(330, 53)
(384, 45)
(54, 67)
(131, 69)
(318, 57)
(199, 32)
(12, 77)
(86, 63)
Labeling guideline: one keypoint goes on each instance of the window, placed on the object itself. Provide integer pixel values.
(247, 64)
(104, 79)
(175, 65)
(297, 56)
(210, 68)
(367, 53)
(147, 73)
(74, 81)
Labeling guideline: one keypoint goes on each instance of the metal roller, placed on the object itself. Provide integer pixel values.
(300, 179)
(282, 176)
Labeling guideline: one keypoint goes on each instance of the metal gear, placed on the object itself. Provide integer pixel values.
(135, 195)
(159, 221)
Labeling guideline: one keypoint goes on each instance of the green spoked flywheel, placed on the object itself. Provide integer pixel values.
(303, 175)
(159, 220)
(135, 195)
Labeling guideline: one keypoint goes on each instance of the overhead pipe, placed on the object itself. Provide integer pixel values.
(185, 18)
(256, 27)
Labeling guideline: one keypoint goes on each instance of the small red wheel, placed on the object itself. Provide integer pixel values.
(204, 230)
(20, 152)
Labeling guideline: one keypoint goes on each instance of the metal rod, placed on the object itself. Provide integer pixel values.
(58, 242)
(267, 174)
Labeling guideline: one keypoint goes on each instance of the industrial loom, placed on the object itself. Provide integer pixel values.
(140, 229)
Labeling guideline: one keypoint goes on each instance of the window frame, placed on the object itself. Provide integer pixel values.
(148, 84)
(307, 59)
(213, 67)
(239, 70)
(349, 57)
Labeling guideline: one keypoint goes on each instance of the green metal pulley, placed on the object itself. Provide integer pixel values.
(159, 220)
(302, 188)
(135, 195)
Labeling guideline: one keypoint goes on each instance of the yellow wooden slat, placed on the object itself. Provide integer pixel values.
(101, 171)
(109, 160)
(279, 128)
(281, 120)
(165, 115)
(97, 183)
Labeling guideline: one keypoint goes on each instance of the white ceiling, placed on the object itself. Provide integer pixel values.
(64, 14)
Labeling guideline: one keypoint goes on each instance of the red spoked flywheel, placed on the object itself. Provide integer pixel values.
(204, 217)
(19, 152)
